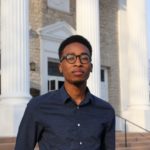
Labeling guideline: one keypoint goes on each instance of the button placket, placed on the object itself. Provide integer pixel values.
(78, 124)
(80, 143)
(78, 109)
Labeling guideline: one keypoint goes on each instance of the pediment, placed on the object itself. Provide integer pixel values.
(59, 30)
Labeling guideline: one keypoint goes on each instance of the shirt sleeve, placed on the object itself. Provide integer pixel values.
(108, 141)
(29, 130)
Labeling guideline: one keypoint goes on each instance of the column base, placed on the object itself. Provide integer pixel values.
(138, 116)
(11, 112)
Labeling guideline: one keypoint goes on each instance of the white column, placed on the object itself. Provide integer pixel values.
(123, 54)
(139, 106)
(88, 25)
(15, 64)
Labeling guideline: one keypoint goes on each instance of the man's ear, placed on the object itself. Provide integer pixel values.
(91, 67)
(60, 68)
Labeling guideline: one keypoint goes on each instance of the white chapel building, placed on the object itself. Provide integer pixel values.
(31, 31)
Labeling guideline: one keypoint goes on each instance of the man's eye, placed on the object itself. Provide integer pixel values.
(70, 57)
(85, 57)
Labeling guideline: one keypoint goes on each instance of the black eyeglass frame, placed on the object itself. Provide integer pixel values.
(75, 56)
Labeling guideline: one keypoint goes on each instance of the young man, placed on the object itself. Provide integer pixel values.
(70, 118)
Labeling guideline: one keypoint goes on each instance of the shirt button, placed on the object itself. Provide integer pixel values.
(81, 143)
(78, 124)
(77, 107)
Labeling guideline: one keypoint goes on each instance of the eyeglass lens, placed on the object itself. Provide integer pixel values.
(71, 58)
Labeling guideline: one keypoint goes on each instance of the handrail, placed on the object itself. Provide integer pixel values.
(125, 128)
(132, 123)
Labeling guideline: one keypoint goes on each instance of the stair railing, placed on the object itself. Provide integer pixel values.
(125, 128)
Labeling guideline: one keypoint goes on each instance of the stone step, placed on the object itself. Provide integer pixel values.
(8, 143)
(135, 141)
(133, 148)
(7, 146)
(132, 144)
(7, 140)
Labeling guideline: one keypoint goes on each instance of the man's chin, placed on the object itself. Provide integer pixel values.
(79, 82)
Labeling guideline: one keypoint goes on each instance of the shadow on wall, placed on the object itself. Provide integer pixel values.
(34, 92)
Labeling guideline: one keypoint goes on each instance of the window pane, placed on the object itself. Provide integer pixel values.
(51, 85)
(53, 69)
(60, 83)
(102, 75)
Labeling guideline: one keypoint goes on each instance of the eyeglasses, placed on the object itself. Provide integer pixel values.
(71, 58)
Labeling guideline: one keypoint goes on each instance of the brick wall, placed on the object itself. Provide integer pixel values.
(40, 15)
(109, 48)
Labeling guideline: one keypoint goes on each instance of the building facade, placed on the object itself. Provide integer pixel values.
(31, 32)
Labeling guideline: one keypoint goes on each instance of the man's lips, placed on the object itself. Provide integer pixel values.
(78, 72)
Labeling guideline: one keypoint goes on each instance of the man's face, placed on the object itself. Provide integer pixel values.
(77, 72)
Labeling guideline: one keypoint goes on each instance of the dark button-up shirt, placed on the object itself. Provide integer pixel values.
(55, 122)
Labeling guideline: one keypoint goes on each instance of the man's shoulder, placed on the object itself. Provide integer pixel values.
(45, 98)
(98, 102)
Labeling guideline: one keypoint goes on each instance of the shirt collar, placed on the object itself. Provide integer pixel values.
(64, 94)
(65, 97)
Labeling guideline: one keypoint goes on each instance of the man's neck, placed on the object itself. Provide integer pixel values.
(76, 92)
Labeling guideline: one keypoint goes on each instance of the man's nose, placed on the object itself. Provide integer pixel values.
(78, 62)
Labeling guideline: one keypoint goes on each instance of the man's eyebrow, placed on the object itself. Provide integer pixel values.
(72, 53)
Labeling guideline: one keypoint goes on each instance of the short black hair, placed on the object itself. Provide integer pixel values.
(72, 39)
